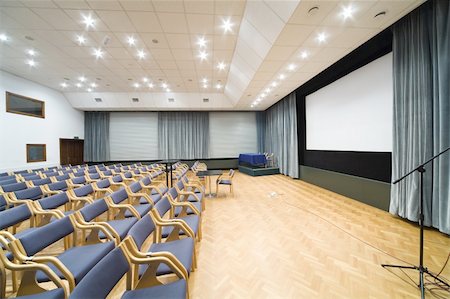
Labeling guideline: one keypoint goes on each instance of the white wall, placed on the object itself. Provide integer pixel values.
(353, 113)
(232, 133)
(61, 121)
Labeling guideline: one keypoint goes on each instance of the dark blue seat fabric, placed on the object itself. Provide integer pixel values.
(79, 173)
(54, 201)
(14, 216)
(58, 186)
(3, 203)
(103, 183)
(173, 290)
(193, 198)
(63, 177)
(183, 250)
(79, 260)
(41, 182)
(52, 294)
(51, 174)
(32, 177)
(99, 282)
(91, 211)
(117, 179)
(83, 191)
(30, 193)
(155, 198)
(79, 180)
(141, 209)
(21, 172)
(224, 182)
(8, 182)
(119, 196)
(141, 230)
(191, 220)
(14, 187)
(196, 204)
(94, 176)
(120, 226)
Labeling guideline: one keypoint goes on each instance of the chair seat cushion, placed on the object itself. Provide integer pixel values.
(224, 182)
(192, 198)
(20, 234)
(173, 290)
(183, 249)
(163, 190)
(142, 210)
(79, 260)
(155, 197)
(191, 220)
(52, 294)
(120, 226)
(196, 204)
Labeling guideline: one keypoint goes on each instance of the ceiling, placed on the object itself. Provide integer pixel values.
(268, 50)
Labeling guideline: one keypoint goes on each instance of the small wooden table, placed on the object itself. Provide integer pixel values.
(209, 174)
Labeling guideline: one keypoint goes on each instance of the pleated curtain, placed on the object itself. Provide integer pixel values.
(96, 136)
(421, 44)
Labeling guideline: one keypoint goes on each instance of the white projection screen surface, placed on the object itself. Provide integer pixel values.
(353, 113)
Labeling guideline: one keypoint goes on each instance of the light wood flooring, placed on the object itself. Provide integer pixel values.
(284, 238)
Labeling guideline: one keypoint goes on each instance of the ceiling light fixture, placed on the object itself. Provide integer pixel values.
(201, 42)
(321, 37)
(205, 85)
(281, 76)
(89, 89)
(79, 85)
(64, 85)
(221, 65)
(164, 85)
(202, 55)
(98, 53)
(31, 62)
(274, 84)
(136, 85)
(3, 37)
(145, 79)
(205, 80)
(347, 12)
(304, 55)
(31, 52)
(82, 78)
(252, 105)
(226, 25)
(141, 54)
(93, 85)
(263, 95)
(88, 21)
(168, 90)
(291, 67)
(81, 40)
(131, 41)
(150, 85)
(218, 86)
(268, 90)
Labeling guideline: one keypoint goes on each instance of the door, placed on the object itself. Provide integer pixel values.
(71, 151)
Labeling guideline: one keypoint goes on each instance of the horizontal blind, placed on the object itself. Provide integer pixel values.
(133, 136)
(232, 133)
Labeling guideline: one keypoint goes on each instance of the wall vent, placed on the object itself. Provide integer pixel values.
(205, 100)
(98, 100)
(135, 100)
(171, 100)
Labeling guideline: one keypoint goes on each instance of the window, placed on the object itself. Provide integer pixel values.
(36, 153)
(23, 105)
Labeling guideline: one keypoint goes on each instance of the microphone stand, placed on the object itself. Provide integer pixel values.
(421, 268)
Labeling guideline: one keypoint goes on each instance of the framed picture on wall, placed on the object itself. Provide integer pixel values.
(19, 104)
(36, 153)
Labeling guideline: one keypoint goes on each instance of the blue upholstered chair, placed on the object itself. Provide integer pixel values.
(127, 177)
(116, 265)
(56, 188)
(39, 182)
(76, 182)
(117, 182)
(182, 208)
(81, 196)
(184, 194)
(225, 179)
(137, 195)
(77, 173)
(106, 174)
(8, 181)
(93, 177)
(13, 187)
(30, 194)
(193, 185)
(31, 177)
(59, 178)
(4, 203)
(51, 208)
(72, 264)
(102, 188)
(151, 188)
(119, 201)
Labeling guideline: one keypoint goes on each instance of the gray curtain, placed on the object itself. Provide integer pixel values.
(421, 47)
(96, 136)
(183, 135)
(260, 130)
(281, 135)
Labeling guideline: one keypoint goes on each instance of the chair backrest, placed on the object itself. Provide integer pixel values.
(7, 177)
(107, 173)
(51, 174)
(30, 193)
(103, 277)
(93, 210)
(3, 202)
(79, 173)
(140, 231)
(41, 182)
(180, 185)
(14, 187)
(173, 193)
(32, 177)
(46, 235)
(117, 179)
(62, 177)
(231, 173)
(119, 196)
(94, 176)
(2, 174)
(101, 168)
(58, 186)
(84, 190)
(79, 180)
(54, 201)
(146, 181)
(23, 172)
(135, 187)
(8, 182)
(128, 175)
(14, 216)
(103, 183)
(163, 206)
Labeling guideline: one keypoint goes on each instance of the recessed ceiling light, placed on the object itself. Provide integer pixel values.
(82, 78)
(31, 52)
(145, 79)
(263, 95)
(218, 86)
(93, 85)
(258, 100)
(131, 41)
(164, 85)
(252, 105)
(89, 89)
(98, 53)
(150, 85)
(31, 62)
(313, 10)
(291, 67)
(304, 54)
(3, 37)
(274, 84)
(155, 41)
(380, 15)
(81, 40)
(29, 37)
(226, 25)
(201, 42)
(347, 12)
(79, 85)
(88, 21)
(203, 55)
(168, 90)
(205, 85)
(267, 90)
(141, 54)
(221, 65)
(321, 37)
(64, 85)
(136, 85)
(281, 76)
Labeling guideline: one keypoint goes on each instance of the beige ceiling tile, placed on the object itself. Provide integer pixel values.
(116, 20)
(329, 54)
(200, 24)
(224, 42)
(172, 74)
(119, 53)
(178, 41)
(222, 56)
(77, 52)
(263, 76)
(105, 39)
(168, 6)
(154, 40)
(77, 17)
(161, 54)
(149, 64)
(11, 3)
(234, 20)
(280, 53)
(38, 4)
(294, 35)
(228, 8)
(351, 36)
(72, 4)
(257, 84)
(188, 73)
(167, 64)
(60, 38)
(268, 66)
(183, 54)
(173, 22)
(138, 5)
(26, 17)
(185, 64)
(145, 21)
(199, 7)
(331, 34)
(359, 8)
(302, 15)
(104, 5)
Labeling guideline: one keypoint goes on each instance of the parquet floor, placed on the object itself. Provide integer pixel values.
(284, 238)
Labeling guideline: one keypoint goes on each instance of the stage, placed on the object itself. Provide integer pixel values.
(258, 171)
